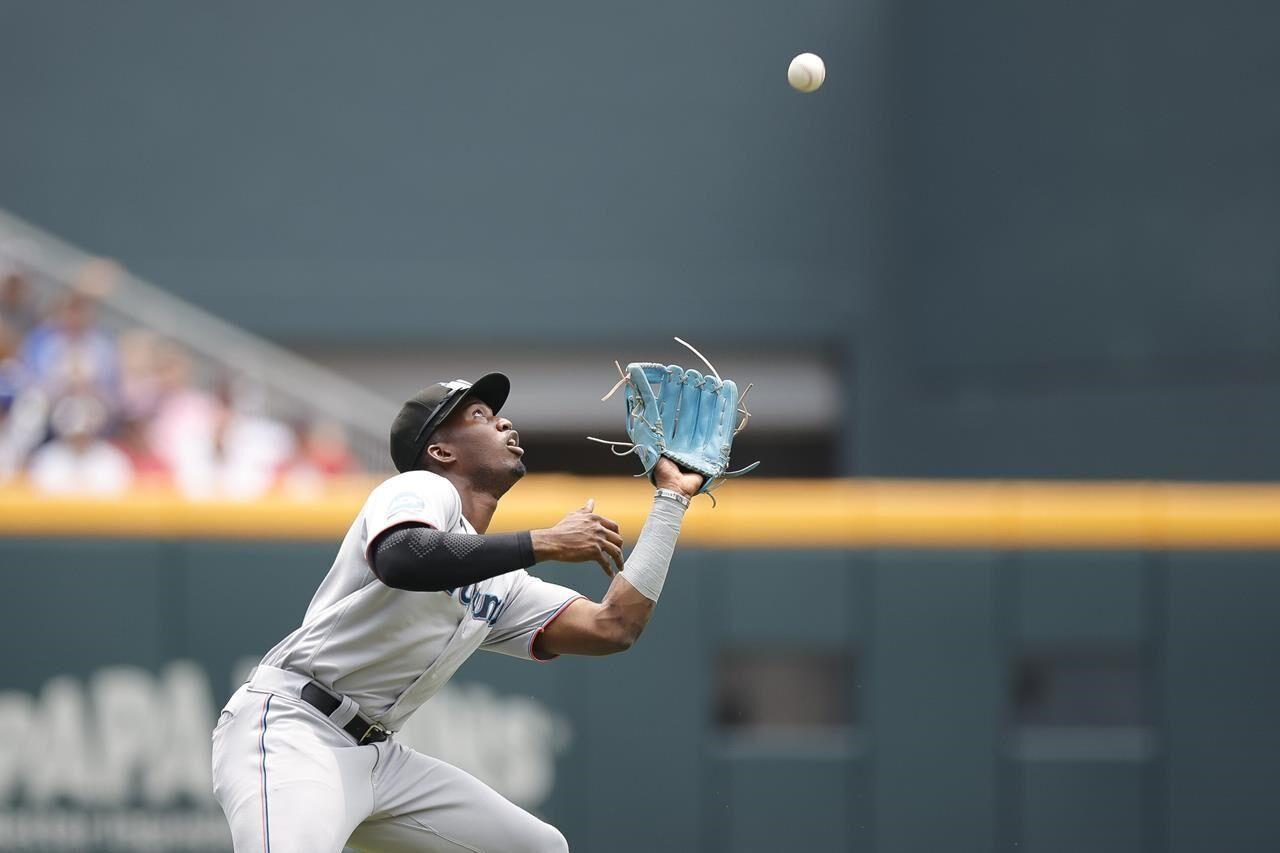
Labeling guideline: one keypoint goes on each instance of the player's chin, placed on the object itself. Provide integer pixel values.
(511, 465)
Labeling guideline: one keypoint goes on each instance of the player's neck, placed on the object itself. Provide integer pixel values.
(478, 506)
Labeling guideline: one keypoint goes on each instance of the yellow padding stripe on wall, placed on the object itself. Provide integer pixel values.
(753, 513)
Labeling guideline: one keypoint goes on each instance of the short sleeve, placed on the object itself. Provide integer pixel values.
(415, 496)
(532, 605)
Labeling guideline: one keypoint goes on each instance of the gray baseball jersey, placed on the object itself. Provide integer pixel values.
(290, 777)
(390, 650)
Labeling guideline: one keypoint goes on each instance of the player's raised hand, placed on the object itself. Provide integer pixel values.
(580, 537)
(668, 475)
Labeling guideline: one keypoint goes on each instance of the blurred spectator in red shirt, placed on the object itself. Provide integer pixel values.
(320, 452)
(148, 468)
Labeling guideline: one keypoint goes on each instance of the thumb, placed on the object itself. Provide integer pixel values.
(590, 505)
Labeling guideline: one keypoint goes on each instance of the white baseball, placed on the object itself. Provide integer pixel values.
(806, 73)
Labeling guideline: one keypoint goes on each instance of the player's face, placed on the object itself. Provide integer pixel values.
(486, 446)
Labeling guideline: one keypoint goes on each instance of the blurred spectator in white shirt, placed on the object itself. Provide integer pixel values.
(78, 461)
(218, 446)
(140, 385)
(248, 449)
(182, 429)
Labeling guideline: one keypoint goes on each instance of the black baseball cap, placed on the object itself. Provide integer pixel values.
(427, 409)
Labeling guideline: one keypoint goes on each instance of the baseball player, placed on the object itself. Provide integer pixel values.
(304, 757)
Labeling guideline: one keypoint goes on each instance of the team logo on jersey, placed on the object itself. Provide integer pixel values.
(483, 605)
(405, 502)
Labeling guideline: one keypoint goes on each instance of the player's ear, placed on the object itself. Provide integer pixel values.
(439, 454)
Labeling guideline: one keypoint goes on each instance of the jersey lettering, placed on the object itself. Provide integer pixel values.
(483, 606)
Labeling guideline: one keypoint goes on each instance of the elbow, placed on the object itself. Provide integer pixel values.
(620, 636)
(389, 573)
(623, 642)
(617, 646)
(384, 573)
(404, 575)
(618, 626)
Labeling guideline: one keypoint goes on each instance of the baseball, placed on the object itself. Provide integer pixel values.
(806, 72)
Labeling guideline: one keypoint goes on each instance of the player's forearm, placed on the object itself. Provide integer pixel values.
(590, 628)
(646, 567)
(631, 597)
(616, 622)
(423, 559)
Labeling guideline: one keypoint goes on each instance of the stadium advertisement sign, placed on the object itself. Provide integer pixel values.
(120, 760)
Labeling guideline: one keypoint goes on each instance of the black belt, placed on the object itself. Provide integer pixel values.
(360, 727)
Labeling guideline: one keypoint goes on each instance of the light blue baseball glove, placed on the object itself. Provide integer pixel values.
(689, 417)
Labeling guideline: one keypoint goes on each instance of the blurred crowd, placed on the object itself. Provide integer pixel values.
(87, 411)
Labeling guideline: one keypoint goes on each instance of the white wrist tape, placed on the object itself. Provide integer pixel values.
(646, 568)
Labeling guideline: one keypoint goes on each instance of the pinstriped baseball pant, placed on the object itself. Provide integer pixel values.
(290, 781)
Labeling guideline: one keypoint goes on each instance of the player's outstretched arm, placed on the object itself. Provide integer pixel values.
(419, 558)
(616, 622)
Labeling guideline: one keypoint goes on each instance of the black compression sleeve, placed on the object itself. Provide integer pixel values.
(422, 559)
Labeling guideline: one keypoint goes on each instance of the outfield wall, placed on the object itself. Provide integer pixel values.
(947, 723)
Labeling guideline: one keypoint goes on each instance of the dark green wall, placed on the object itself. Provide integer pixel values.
(1084, 275)
(1039, 239)
(309, 170)
(935, 758)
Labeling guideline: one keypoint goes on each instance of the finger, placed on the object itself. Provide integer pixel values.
(615, 552)
(615, 538)
(603, 559)
(609, 523)
(590, 504)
